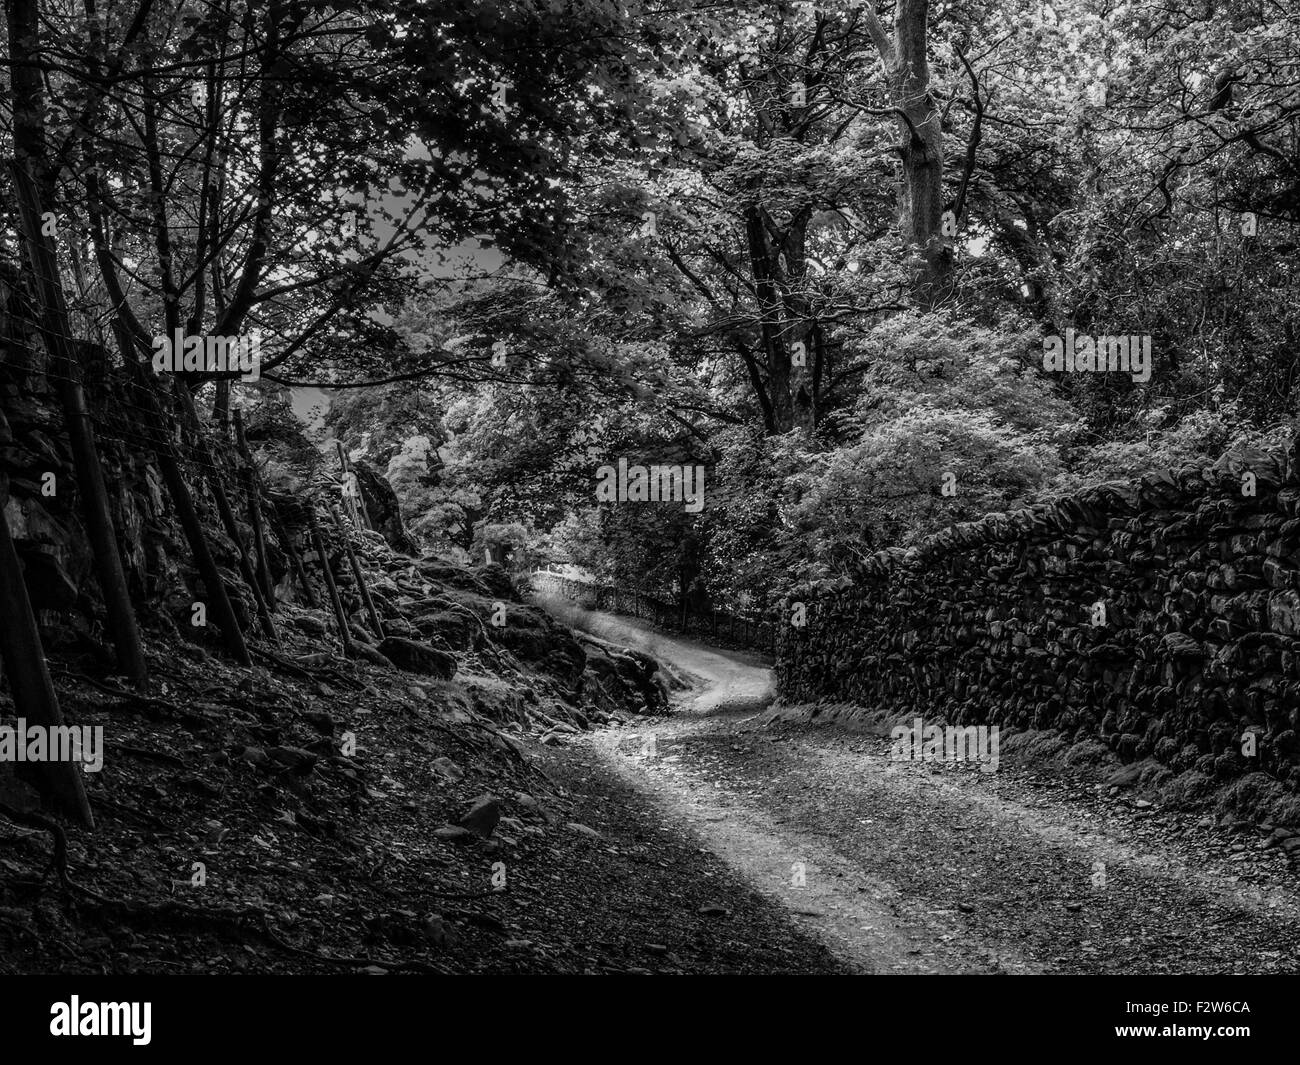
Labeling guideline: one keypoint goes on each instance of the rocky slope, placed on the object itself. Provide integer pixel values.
(318, 807)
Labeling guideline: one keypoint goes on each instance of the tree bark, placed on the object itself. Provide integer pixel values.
(29, 680)
(920, 194)
(922, 154)
(33, 182)
(775, 351)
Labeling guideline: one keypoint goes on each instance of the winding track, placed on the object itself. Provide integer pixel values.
(916, 868)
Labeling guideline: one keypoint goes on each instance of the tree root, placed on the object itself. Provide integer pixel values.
(242, 921)
(59, 860)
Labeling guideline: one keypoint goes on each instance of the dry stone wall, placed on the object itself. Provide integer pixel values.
(1161, 617)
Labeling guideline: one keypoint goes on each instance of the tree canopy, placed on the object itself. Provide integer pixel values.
(811, 248)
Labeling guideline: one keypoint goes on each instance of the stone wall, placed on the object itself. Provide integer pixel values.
(39, 494)
(1161, 617)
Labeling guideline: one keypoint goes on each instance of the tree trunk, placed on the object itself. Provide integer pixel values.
(800, 328)
(775, 350)
(33, 185)
(921, 193)
(29, 680)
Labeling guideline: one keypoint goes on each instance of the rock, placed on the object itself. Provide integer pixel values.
(255, 756)
(294, 758)
(1284, 612)
(382, 507)
(438, 931)
(534, 637)
(457, 628)
(454, 834)
(1125, 776)
(582, 830)
(417, 657)
(1291, 845)
(1277, 837)
(452, 575)
(497, 581)
(445, 767)
(1179, 645)
(368, 654)
(713, 909)
(321, 721)
(482, 817)
(312, 626)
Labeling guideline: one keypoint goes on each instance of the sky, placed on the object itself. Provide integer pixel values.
(470, 257)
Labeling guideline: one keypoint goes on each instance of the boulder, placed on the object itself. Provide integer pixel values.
(417, 657)
(312, 626)
(368, 654)
(482, 817)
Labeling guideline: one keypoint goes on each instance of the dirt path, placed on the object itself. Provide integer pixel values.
(919, 868)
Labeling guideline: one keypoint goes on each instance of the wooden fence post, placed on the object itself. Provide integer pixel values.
(344, 635)
(357, 575)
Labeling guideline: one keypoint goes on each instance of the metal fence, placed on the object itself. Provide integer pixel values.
(715, 626)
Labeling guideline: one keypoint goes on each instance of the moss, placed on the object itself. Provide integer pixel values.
(1154, 775)
(1188, 789)
(1088, 753)
(1253, 797)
